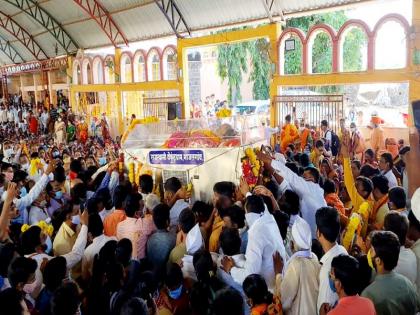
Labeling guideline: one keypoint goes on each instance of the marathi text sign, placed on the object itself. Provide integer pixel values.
(177, 157)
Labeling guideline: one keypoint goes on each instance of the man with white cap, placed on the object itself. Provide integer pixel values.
(414, 231)
(299, 280)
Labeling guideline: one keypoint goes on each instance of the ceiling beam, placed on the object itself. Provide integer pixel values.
(34, 10)
(10, 51)
(174, 16)
(104, 20)
(270, 7)
(22, 35)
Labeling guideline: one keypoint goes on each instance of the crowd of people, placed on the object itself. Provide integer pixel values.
(331, 228)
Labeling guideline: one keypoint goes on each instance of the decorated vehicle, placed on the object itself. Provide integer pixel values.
(198, 151)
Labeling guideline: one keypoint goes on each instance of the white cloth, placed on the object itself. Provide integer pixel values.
(104, 213)
(194, 240)
(416, 249)
(415, 204)
(326, 295)
(24, 202)
(299, 286)
(93, 249)
(264, 240)
(151, 201)
(176, 209)
(392, 180)
(37, 214)
(311, 195)
(407, 264)
(301, 234)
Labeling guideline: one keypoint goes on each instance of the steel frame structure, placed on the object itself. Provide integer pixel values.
(22, 35)
(104, 20)
(34, 10)
(268, 7)
(174, 16)
(10, 51)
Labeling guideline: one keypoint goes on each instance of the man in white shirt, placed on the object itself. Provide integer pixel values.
(2, 110)
(328, 230)
(22, 203)
(386, 165)
(44, 119)
(310, 193)
(407, 262)
(264, 240)
(95, 230)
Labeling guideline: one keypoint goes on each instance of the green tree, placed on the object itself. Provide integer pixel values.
(260, 68)
(231, 63)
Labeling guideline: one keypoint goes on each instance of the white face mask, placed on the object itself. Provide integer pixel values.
(353, 129)
(43, 203)
(251, 217)
(75, 219)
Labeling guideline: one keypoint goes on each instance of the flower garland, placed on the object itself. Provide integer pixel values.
(131, 173)
(35, 165)
(251, 166)
(146, 120)
(353, 227)
(224, 113)
(46, 228)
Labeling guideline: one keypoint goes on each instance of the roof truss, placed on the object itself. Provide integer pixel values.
(22, 35)
(34, 10)
(174, 16)
(104, 20)
(10, 51)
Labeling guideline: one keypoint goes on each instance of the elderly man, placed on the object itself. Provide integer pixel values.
(299, 280)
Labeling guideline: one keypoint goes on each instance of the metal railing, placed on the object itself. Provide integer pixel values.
(312, 109)
(158, 106)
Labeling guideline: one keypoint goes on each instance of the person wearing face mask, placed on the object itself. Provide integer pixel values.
(264, 239)
(174, 297)
(357, 143)
(67, 233)
(7, 171)
(345, 282)
(390, 292)
(307, 187)
(25, 201)
(328, 230)
(60, 131)
(35, 245)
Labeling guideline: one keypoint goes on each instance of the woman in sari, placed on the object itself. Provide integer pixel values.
(71, 131)
(83, 130)
(60, 131)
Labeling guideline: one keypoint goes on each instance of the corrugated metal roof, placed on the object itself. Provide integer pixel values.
(142, 19)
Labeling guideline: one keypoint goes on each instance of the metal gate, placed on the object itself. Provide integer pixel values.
(312, 109)
(161, 107)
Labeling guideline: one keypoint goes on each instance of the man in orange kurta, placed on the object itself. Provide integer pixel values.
(377, 141)
(289, 134)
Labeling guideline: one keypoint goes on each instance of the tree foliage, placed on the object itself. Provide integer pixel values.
(231, 63)
(233, 59)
